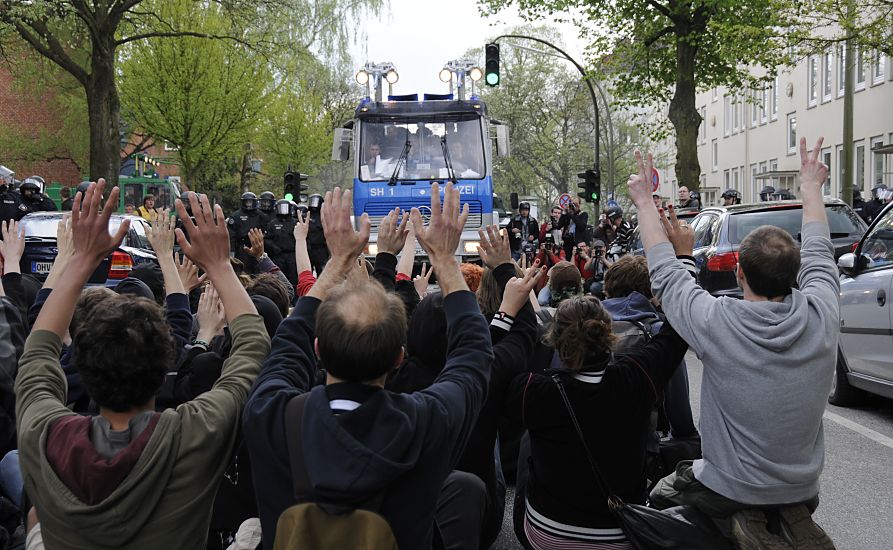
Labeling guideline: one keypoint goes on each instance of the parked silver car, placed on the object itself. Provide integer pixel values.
(865, 355)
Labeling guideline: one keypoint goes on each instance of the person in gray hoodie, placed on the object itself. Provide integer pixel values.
(768, 362)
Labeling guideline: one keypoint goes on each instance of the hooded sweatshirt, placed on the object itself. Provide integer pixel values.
(155, 493)
(767, 373)
(360, 441)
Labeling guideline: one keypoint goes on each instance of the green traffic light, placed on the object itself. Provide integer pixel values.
(289, 197)
(492, 79)
(594, 196)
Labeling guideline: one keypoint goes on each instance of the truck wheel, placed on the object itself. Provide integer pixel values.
(842, 393)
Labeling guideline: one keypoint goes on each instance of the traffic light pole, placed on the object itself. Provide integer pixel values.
(587, 80)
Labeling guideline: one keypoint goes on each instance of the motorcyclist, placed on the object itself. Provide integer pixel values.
(730, 197)
(279, 242)
(241, 221)
(523, 229)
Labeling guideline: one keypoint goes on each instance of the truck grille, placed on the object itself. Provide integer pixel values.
(377, 211)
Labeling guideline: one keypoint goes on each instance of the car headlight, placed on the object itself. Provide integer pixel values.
(471, 247)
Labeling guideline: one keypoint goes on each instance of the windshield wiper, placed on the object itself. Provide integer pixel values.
(447, 159)
(401, 161)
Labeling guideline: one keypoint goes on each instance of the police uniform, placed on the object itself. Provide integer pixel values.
(44, 204)
(279, 243)
(238, 225)
(11, 206)
(316, 244)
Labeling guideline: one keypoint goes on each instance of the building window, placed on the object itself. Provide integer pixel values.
(715, 94)
(703, 181)
(736, 118)
(754, 192)
(860, 69)
(754, 108)
(841, 69)
(702, 129)
(764, 104)
(812, 87)
(877, 161)
(734, 178)
(726, 179)
(774, 98)
(859, 171)
(877, 70)
(827, 76)
(839, 168)
(727, 119)
(792, 133)
(715, 154)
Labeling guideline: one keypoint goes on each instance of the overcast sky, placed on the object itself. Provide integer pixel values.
(419, 36)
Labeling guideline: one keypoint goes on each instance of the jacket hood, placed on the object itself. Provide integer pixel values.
(352, 457)
(772, 325)
(635, 307)
(120, 515)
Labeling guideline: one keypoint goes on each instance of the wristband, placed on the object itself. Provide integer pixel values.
(503, 320)
(201, 343)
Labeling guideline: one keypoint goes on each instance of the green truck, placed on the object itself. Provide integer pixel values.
(133, 190)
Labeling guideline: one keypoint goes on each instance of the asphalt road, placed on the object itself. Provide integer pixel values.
(856, 507)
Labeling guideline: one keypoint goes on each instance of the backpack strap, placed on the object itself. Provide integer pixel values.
(294, 439)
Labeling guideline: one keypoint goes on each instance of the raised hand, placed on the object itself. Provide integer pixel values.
(517, 291)
(494, 248)
(90, 225)
(442, 235)
(392, 232)
(640, 184)
(302, 227)
(189, 274)
(161, 233)
(208, 242)
(422, 280)
(256, 237)
(12, 246)
(813, 172)
(679, 233)
(344, 243)
(210, 314)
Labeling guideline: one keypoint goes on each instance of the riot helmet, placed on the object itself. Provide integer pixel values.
(283, 207)
(766, 193)
(302, 210)
(267, 202)
(30, 190)
(315, 202)
(249, 201)
(857, 194)
(613, 212)
(876, 190)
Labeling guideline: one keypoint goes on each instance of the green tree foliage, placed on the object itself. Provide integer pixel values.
(663, 51)
(825, 23)
(203, 96)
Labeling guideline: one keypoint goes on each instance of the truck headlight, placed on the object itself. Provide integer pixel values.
(372, 249)
(471, 247)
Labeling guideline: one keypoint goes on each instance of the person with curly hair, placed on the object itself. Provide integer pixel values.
(85, 473)
(561, 505)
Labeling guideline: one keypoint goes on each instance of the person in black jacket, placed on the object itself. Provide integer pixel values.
(574, 224)
(513, 332)
(522, 229)
(362, 442)
(279, 240)
(316, 238)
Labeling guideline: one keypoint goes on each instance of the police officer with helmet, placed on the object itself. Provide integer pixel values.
(316, 240)
(184, 198)
(859, 204)
(876, 204)
(11, 207)
(730, 197)
(242, 221)
(279, 241)
(267, 205)
(32, 195)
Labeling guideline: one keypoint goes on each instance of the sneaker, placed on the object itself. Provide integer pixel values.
(749, 532)
(802, 531)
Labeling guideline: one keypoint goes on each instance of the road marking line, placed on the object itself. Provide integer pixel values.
(860, 429)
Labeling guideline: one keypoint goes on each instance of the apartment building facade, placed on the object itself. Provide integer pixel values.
(749, 139)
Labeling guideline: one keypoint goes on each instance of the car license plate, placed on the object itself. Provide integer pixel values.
(41, 268)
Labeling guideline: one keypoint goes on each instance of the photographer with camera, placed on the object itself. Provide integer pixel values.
(573, 223)
(523, 231)
(594, 270)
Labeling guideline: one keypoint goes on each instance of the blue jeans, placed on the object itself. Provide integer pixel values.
(11, 478)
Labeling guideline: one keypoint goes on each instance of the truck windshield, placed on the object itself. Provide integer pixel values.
(382, 142)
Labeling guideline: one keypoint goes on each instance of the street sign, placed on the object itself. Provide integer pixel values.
(655, 180)
(564, 200)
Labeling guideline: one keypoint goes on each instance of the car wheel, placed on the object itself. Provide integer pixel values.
(842, 393)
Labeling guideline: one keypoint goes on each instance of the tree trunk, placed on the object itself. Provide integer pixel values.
(103, 108)
(684, 115)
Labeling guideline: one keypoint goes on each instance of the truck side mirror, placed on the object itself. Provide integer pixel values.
(503, 148)
(341, 144)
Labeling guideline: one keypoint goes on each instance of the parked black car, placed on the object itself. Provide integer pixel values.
(687, 214)
(719, 231)
(40, 248)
